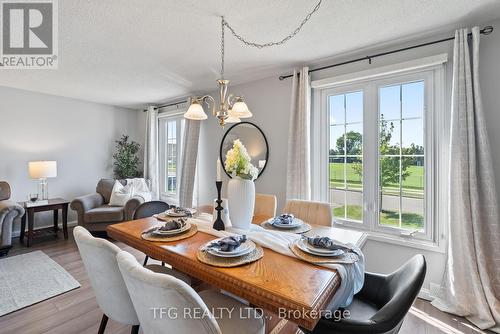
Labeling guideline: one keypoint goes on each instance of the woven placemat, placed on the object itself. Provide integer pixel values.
(227, 262)
(346, 258)
(150, 236)
(298, 230)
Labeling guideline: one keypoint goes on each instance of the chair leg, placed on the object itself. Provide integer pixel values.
(135, 329)
(102, 326)
(145, 260)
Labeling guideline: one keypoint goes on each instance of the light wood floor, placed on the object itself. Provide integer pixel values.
(77, 311)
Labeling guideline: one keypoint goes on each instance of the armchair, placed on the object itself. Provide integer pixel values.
(94, 212)
(9, 210)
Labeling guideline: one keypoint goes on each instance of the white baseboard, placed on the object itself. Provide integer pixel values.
(425, 294)
(70, 224)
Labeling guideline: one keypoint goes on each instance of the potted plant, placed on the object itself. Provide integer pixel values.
(241, 188)
(126, 161)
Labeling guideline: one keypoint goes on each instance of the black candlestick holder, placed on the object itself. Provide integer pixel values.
(219, 223)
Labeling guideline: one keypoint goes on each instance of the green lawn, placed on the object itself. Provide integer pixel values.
(387, 218)
(412, 186)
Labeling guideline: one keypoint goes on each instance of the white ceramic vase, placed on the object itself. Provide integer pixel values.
(241, 198)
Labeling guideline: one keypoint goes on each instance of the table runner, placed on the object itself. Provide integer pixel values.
(351, 275)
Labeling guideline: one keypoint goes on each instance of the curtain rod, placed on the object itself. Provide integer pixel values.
(167, 105)
(485, 31)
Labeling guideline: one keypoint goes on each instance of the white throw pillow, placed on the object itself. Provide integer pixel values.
(120, 194)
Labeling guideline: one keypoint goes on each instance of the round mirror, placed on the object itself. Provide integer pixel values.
(252, 137)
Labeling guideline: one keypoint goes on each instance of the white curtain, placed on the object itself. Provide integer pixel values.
(298, 184)
(151, 151)
(188, 165)
(471, 284)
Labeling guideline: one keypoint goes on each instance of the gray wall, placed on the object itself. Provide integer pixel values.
(78, 135)
(269, 100)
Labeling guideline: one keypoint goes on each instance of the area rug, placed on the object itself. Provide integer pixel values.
(30, 278)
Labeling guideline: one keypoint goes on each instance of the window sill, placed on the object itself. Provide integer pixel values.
(397, 240)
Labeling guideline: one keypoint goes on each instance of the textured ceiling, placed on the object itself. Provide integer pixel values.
(134, 52)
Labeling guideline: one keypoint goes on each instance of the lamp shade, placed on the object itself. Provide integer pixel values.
(240, 110)
(232, 118)
(195, 112)
(42, 169)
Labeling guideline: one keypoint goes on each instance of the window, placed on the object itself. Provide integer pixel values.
(170, 134)
(375, 163)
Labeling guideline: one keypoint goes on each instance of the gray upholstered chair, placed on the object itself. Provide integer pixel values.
(93, 210)
(9, 210)
(149, 290)
(99, 258)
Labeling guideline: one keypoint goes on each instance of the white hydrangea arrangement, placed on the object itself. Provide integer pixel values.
(238, 162)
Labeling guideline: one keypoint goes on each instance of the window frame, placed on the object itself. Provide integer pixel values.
(163, 119)
(432, 71)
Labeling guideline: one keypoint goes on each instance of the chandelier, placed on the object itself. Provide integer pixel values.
(232, 108)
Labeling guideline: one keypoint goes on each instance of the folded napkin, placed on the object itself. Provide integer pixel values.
(173, 224)
(228, 244)
(326, 243)
(178, 209)
(286, 218)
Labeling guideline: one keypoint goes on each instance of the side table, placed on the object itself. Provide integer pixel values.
(54, 204)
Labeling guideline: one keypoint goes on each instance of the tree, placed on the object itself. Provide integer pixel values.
(353, 143)
(126, 161)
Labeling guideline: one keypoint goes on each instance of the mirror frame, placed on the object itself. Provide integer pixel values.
(224, 138)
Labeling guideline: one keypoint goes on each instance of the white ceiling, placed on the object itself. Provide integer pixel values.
(135, 52)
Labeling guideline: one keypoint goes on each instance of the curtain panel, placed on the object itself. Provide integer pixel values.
(189, 157)
(151, 152)
(298, 184)
(471, 283)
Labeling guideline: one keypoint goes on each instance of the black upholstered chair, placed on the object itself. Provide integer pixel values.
(382, 303)
(148, 209)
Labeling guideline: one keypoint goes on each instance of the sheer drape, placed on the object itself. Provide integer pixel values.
(189, 157)
(151, 151)
(298, 165)
(471, 284)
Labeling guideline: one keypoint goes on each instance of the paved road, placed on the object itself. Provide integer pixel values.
(389, 202)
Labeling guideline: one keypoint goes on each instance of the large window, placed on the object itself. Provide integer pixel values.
(170, 130)
(380, 168)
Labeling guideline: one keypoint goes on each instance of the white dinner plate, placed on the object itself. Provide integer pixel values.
(171, 213)
(245, 248)
(296, 222)
(172, 232)
(304, 245)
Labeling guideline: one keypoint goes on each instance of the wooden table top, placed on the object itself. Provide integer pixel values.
(276, 282)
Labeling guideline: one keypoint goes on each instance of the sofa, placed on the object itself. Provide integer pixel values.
(9, 211)
(94, 212)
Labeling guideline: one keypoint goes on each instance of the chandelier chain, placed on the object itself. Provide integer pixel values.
(222, 47)
(268, 44)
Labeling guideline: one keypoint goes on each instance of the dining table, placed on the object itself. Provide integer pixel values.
(289, 287)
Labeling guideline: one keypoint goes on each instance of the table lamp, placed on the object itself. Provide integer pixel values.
(42, 170)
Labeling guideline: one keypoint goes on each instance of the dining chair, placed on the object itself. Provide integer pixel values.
(148, 209)
(165, 304)
(318, 213)
(382, 303)
(265, 205)
(99, 258)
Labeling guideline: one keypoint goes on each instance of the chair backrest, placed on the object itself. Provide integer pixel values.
(400, 292)
(147, 209)
(318, 213)
(105, 187)
(155, 294)
(99, 258)
(265, 205)
(4, 191)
